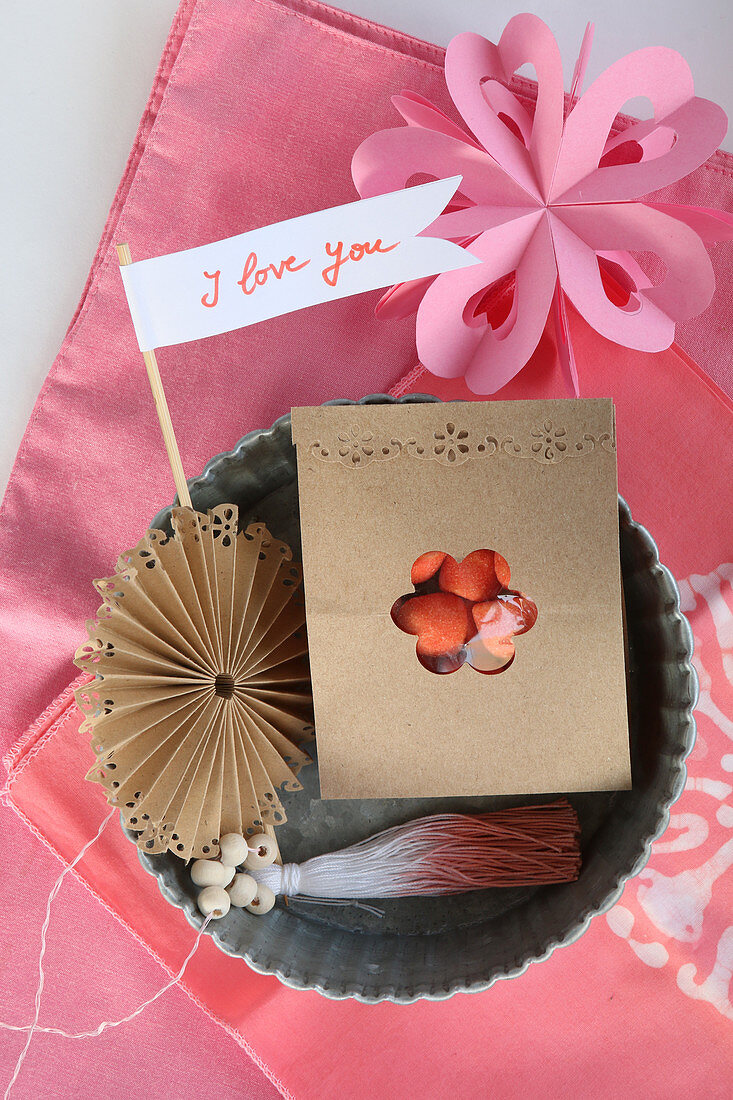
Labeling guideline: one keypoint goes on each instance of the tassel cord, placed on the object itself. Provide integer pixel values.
(443, 854)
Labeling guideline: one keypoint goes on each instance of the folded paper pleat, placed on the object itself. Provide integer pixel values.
(202, 692)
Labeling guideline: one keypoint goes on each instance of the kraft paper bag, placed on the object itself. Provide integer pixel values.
(535, 707)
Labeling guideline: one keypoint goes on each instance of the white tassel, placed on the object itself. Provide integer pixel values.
(442, 854)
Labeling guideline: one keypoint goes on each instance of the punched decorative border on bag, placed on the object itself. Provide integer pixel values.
(452, 444)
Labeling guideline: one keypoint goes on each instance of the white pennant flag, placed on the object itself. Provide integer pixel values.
(293, 264)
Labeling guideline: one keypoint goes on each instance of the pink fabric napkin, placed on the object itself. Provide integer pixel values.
(254, 116)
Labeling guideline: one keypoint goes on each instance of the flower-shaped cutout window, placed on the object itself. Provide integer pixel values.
(464, 612)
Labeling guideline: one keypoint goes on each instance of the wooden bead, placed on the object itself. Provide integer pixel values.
(213, 901)
(233, 849)
(265, 852)
(209, 872)
(263, 900)
(242, 890)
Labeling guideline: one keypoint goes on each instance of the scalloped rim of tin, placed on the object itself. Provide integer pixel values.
(678, 769)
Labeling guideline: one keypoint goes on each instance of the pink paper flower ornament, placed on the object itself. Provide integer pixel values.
(550, 204)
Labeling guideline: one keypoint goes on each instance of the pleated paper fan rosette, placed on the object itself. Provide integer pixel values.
(202, 693)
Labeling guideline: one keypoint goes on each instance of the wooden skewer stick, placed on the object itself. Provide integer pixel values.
(161, 405)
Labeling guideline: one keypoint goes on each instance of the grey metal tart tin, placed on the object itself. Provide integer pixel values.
(435, 947)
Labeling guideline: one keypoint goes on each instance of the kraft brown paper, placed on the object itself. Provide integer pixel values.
(186, 755)
(533, 480)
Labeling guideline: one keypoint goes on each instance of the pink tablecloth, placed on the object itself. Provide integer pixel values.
(254, 115)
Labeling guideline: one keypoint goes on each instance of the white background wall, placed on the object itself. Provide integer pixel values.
(74, 80)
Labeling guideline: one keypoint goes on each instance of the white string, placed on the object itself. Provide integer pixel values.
(125, 1019)
(44, 929)
(289, 883)
(34, 1027)
(344, 903)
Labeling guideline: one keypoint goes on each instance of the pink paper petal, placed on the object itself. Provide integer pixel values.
(622, 279)
(450, 344)
(402, 299)
(664, 77)
(471, 221)
(647, 138)
(563, 343)
(387, 160)
(582, 63)
(418, 111)
(527, 39)
(509, 110)
(710, 225)
(580, 232)
(471, 59)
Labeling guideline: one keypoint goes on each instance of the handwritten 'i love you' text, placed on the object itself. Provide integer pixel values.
(255, 275)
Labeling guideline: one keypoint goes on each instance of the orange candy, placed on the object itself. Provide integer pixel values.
(441, 621)
(497, 622)
(479, 577)
(490, 654)
(504, 617)
(426, 566)
(501, 568)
